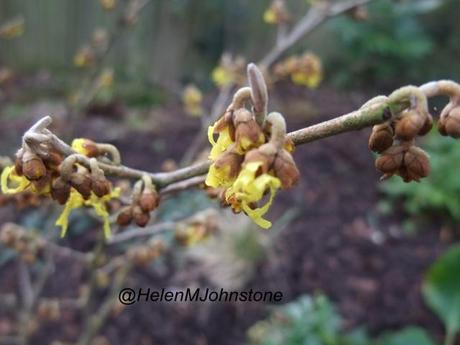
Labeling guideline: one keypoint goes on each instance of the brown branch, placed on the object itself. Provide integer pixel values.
(375, 111)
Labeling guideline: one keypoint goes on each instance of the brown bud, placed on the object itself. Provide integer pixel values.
(125, 216)
(452, 122)
(391, 160)
(100, 186)
(149, 200)
(427, 126)
(140, 217)
(409, 125)
(82, 183)
(60, 190)
(416, 164)
(381, 137)
(32, 166)
(286, 169)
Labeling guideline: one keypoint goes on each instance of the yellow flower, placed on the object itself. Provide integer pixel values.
(98, 204)
(107, 4)
(222, 143)
(310, 80)
(192, 98)
(219, 177)
(85, 147)
(9, 176)
(249, 189)
(106, 79)
(270, 16)
(12, 29)
(20, 183)
(222, 76)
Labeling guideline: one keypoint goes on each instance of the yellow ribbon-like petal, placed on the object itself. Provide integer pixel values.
(249, 189)
(218, 177)
(98, 204)
(9, 175)
(222, 143)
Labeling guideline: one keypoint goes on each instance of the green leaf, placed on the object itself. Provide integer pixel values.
(407, 336)
(442, 289)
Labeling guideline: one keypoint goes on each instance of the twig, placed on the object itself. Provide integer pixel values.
(136, 232)
(378, 110)
(314, 17)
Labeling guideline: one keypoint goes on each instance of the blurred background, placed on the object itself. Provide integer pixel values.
(349, 253)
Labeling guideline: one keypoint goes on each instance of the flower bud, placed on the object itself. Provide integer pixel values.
(82, 183)
(140, 217)
(409, 125)
(391, 160)
(60, 190)
(286, 169)
(32, 166)
(100, 186)
(416, 164)
(149, 200)
(125, 216)
(381, 138)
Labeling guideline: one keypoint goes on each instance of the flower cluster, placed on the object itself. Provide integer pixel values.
(250, 158)
(145, 199)
(196, 229)
(144, 254)
(304, 70)
(230, 71)
(277, 13)
(12, 29)
(394, 140)
(192, 99)
(75, 181)
(24, 243)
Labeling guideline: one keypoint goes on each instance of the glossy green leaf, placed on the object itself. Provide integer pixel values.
(442, 289)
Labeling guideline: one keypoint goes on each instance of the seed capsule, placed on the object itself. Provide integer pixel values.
(100, 186)
(409, 125)
(381, 138)
(60, 190)
(125, 216)
(286, 169)
(149, 200)
(82, 183)
(140, 217)
(416, 163)
(427, 126)
(452, 122)
(391, 160)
